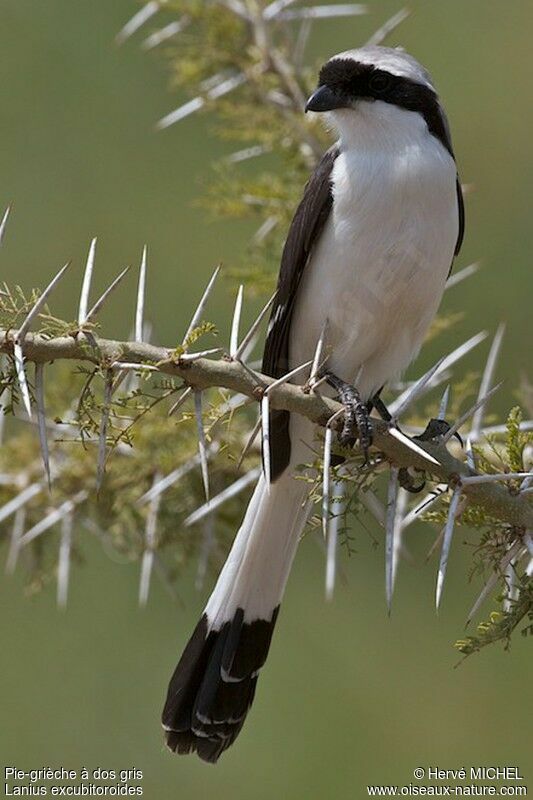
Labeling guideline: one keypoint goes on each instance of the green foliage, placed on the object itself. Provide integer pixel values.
(143, 443)
(517, 440)
(263, 113)
(501, 624)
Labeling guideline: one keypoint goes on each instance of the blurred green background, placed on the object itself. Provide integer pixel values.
(349, 697)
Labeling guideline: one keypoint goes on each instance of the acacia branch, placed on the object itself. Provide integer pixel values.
(201, 374)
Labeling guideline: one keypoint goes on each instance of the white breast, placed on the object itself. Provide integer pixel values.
(378, 272)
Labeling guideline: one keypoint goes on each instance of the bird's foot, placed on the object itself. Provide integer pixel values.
(413, 480)
(435, 429)
(357, 424)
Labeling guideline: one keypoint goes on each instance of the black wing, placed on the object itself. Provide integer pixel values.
(305, 230)
(461, 211)
(441, 129)
(446, 139)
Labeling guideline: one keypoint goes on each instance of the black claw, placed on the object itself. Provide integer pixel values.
(356, 416)
(380, 407)
(407, 481)
(435, 429)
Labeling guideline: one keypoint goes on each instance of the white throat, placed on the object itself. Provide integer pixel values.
(378, 126)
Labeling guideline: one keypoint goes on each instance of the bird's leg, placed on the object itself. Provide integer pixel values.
(356, 415)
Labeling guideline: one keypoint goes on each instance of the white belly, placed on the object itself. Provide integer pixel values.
(378, 272)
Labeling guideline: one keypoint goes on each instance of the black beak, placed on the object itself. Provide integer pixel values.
(324, 99)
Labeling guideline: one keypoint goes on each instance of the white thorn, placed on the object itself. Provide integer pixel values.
(317, 360)
(511, 585)
(190, 357)
(470, 455)
(165, 33)
(176, 475)
(208, 539)
(444, 403)
(240, 352)
(231, 491)
(463, 349)
(326, 480)
(54, 516)
(481, 402)
(86, 284)
(529, 543)
(324, 12)
(236, 401)
(405, 440)
(102, 434)
(390, 525)
(397, 540)
(19, 524)
(21, 377)
(101, 300)
(249, 442)
(526, 425)
(234, 336)
(41, 300)
(400, 406)
(486, 380)
(149, 544)
(494, 577)
(333, 537)
(3, 363)
(237, 7)
(328, 441)
(41, 420)
(453, 280)
(19, 500)
(196, 318)
(301, 42)
(183, 111)
(202, 445)
(180, 401)
(526, 483)
(63, 566)
(137, 21)
(496, 476)
(4, 223)
(245, 155)
(224, 87)
(255, 376)
(141, 290)
(446, 543)
(444, 365)
(131, 366)
(287, 377)
(381, 34)
(373, 504)
(273, 9)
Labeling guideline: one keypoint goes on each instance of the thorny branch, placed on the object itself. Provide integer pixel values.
(201, 374)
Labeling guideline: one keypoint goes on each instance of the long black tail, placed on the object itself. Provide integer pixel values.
(214, 683)
(213, 686)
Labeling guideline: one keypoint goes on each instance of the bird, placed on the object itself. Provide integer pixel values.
(366, 258)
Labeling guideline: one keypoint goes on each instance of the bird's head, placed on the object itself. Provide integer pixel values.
(373, 80)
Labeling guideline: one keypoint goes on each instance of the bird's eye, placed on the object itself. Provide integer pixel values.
(379, 82)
